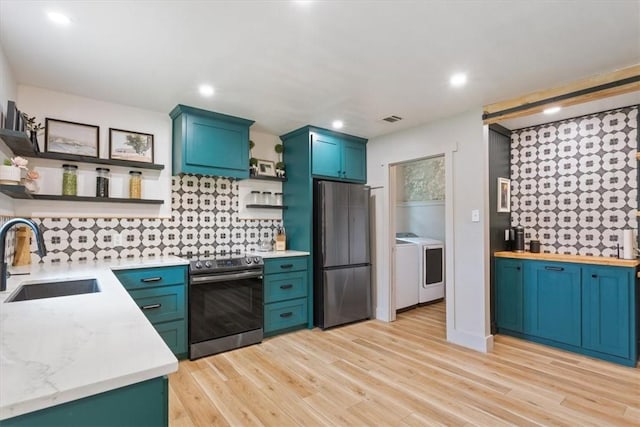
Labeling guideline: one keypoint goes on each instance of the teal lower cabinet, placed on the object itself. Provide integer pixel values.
(552, 293)
(607, 307)
(509, 294)
(161, 294)
(586, 308)
(285, 294)
(141, 404)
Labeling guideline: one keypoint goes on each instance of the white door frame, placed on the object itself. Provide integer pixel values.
(389, 204)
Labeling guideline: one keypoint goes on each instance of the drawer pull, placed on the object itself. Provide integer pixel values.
(151, 279)
(286, 265)
(554, 268)
(287, 314)
(595, 276)
(518, 268)
(289, 286)
(151, 306)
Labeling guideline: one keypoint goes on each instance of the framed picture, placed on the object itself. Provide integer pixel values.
(266, 168)
(65, 137)
(504, 195)
(132, 146)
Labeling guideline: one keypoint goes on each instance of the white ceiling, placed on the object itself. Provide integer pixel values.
(285, 64)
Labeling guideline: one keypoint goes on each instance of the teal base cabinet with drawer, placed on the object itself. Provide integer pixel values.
(286, 288)
(552, 293)
(141, 404)
(161, 294)
(210, 143)
(586, 308)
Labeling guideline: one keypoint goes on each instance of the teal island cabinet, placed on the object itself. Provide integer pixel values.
(141, 404)
(161, 294)
(315, 153)
(210, 143)
(584, 304)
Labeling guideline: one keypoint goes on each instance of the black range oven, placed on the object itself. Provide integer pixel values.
(225, 304)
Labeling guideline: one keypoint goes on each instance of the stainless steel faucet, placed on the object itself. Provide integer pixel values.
(42, 250)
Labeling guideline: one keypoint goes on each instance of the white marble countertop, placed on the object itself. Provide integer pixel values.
(57, 350)
(276, 254)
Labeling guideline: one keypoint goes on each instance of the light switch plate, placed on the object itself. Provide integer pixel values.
(475, 215)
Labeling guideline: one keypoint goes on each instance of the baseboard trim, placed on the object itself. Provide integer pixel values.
(479, 343)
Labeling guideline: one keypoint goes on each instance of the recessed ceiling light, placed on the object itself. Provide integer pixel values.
(206, 90)
(551, 110)
(302, 2)
(458, 80)
(58, 18)
(337, 124)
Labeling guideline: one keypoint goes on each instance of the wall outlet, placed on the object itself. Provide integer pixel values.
(475, 215)
(116, 239)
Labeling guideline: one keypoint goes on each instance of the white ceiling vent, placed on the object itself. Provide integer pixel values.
(392, 119)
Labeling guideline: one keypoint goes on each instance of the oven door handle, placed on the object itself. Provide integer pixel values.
(197, 280)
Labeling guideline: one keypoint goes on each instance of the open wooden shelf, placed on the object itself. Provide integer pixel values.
(20, 144)
(266, 207)
(20, 192)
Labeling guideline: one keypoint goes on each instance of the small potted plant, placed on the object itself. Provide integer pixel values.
(11, 170)
(280, 164)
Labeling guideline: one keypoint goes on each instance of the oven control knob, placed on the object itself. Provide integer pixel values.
(256, 260)
(207, 264)
(247, 260)
(198, 265)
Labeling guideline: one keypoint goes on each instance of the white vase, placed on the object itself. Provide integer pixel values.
(10, 175)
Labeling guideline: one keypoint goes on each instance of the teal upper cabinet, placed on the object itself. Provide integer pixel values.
(509, 294)
(337, 155)
(607, 305)
(553, 293)
(210, 143)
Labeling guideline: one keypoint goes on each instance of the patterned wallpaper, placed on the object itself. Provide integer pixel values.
(574, 182)
(424, 180)
(204, 219)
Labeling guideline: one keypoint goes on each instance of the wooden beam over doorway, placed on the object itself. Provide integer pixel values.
(590, 89)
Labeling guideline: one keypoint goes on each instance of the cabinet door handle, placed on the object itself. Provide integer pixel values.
(287, 314)
(518, 268)
(151, 306)
(286, 266)
(151, 279)
(289, 286)
(554, 268)
(595, 276)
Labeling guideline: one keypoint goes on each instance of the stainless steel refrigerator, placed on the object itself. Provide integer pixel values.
(342, 285)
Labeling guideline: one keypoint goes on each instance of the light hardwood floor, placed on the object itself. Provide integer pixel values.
(400, 374)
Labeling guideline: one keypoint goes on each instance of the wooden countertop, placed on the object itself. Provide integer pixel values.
(580, 259)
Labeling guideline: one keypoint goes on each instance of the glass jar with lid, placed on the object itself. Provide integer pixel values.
(268, 198)
(102, 182)
(253, 198)
(69, 180)
(277, 199)
(135, 184)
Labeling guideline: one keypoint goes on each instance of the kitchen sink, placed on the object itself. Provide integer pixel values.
(54, 289)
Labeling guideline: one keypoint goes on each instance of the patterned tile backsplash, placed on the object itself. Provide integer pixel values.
(574, 182)
(204, 219)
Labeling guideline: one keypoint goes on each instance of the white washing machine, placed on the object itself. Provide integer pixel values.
(431, 262)
(407, 274)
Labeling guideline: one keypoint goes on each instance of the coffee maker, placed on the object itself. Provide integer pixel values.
(514, 239)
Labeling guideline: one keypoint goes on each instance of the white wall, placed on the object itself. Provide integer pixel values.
(425, 219)
(462, 140)
(8, 91)
(44, 103)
